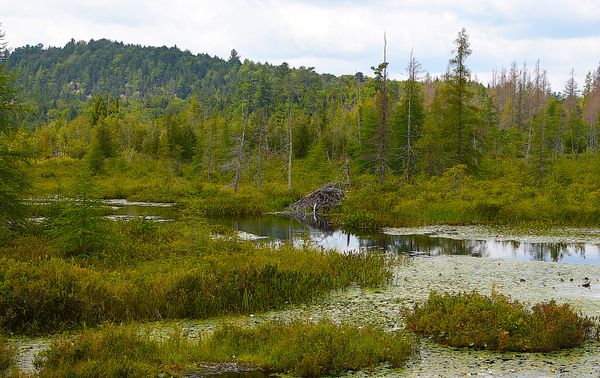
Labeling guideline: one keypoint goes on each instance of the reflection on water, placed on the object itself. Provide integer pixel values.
(230, 374)
(152, 211)
(281, 229)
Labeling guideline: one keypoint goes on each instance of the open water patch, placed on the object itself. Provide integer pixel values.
(575, 246)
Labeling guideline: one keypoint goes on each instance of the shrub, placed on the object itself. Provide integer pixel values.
(77, 228)
(495, 322)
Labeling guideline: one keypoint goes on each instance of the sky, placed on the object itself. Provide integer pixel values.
(337, 36)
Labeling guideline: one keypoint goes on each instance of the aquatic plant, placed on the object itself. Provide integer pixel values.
(498, 323)
(228, 277)
(299, 348)
(309, 349)
(7, 357)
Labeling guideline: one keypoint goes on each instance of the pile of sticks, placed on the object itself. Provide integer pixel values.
(323, 198)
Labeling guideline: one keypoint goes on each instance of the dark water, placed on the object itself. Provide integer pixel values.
(161, 212)
(244, 374)
(319, 233)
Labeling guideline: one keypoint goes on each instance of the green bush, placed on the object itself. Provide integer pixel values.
(495, 322)
(77, 228)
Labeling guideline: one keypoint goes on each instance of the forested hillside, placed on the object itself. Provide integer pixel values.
(107, 105)
(516, 116)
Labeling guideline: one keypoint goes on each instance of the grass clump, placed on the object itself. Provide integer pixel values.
(299, 348)
(7, 357)
(308, 349)
(53, 294)
(109, 353)
(495, 322)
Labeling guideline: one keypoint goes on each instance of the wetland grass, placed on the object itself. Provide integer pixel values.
(7, 357)
(50, 293)
(298, 348)
(310, 349)
(495, 322)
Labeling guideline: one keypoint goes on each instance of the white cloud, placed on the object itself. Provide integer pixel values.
(339, 36)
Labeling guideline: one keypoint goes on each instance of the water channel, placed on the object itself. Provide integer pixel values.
(571, 255)
(422, 241)
(425, 241)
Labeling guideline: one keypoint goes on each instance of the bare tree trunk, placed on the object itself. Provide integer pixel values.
(384, 110)
(260, 158)
(289, 162)
(240, 152)
(358, 116)
(413, 70)
(347, 169)
(208, 164)
(536, 108)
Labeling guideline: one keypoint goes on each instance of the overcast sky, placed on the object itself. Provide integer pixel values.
(338, 36)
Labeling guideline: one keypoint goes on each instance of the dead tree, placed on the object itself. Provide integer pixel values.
(240, 152)
(289, 149)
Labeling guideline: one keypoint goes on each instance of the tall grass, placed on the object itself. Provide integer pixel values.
(495, 322)
(7, 357)
(309, 350)
(55, 294)
(299, 348)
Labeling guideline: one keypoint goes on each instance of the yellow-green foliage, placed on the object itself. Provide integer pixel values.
(7, 356)
(120, 352)
(496, 322)
(501, 193)
(309, 350)
(225, 276)
(299, 348)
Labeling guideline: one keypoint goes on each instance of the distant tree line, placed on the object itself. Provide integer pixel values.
(104, 99)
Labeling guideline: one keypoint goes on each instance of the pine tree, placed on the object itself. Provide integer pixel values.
(409, 118)
(13, 181)
(459, 111)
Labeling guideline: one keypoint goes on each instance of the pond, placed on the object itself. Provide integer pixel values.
(574, 246)
(118, 209)
(124, 210)
(577, 246)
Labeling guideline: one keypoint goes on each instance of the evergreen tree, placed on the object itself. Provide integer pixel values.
(13, 181)
(574, 127)
(459, 110)
(408, 119)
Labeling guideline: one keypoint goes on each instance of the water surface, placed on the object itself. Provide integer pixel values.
(419, 242)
